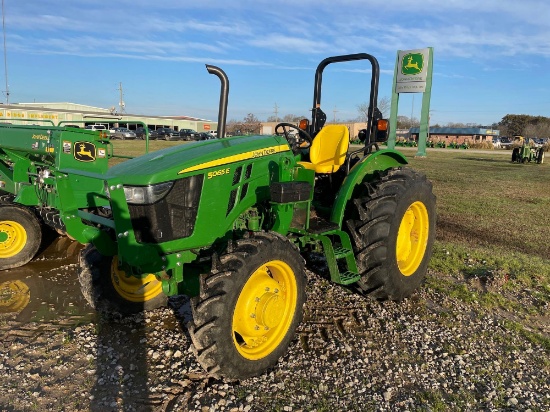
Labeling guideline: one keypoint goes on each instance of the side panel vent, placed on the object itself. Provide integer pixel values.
(237, 175)
(244, 190)
(248, 171)
(232, 199)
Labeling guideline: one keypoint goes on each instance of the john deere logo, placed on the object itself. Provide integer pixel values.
(412, 63)
(84, 151)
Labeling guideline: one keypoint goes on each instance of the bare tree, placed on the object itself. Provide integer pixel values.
(404, 122)
(384, 105)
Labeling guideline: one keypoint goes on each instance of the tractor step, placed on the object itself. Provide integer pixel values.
(348, 278)
(339, 254)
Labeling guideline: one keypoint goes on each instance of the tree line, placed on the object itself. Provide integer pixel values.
(510, 125)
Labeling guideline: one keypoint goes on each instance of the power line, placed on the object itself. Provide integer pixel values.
(5, 56)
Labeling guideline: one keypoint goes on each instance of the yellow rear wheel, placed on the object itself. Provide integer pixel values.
(391, 221)
(412, 238)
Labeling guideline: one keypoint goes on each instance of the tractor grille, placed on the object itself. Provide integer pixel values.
(171, 218)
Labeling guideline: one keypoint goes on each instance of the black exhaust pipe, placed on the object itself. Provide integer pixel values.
(224, 95)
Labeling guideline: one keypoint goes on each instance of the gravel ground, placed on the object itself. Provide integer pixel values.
(428, 353)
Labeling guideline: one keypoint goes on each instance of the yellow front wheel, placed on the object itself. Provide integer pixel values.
(264, 310)
(108, 289)
(249, 307)
(20, 235)
(134, 289)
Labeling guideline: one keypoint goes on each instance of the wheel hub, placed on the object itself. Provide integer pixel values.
(269, 309)
(13, 238)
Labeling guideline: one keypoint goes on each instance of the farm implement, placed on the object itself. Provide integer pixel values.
(34, 161)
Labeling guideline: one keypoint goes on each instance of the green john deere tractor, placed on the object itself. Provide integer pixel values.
(227, 221)
(523, 152)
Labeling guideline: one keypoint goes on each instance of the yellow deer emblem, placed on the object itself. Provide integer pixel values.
(411, 65)
(85, 153)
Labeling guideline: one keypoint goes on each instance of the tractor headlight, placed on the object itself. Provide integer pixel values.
(145, 195)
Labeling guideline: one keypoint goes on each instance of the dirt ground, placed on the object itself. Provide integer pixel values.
(430, 352)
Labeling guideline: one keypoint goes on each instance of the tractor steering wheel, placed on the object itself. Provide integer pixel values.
(301, 140)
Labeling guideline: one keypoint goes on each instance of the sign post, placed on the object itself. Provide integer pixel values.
(413, 74)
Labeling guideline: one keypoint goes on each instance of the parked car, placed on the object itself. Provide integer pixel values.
(96, 127)
(204, 136)
(496, 143)
(188, 134)
(140, 133)
(506, 142)
(166, 133)
(122, 133)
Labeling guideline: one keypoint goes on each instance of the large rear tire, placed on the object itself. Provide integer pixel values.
(515, 155)
(391, 221)
(20, 235)
(249, 307)
(108, 290)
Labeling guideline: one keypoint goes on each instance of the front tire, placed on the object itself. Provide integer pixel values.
(20, 236)
(391, 221)
(108, 290)
(249, 307)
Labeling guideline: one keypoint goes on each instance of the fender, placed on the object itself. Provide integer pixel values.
(377, 161)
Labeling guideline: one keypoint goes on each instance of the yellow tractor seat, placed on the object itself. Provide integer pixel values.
(328, 149)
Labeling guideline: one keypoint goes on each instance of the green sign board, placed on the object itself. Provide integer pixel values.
(413, 74)
(412, 71)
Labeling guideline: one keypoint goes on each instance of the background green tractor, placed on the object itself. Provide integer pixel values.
(227, 222)
(31, 160)
(523, 152)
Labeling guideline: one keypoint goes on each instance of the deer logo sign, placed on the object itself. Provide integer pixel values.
(412, 63)
(84, 151)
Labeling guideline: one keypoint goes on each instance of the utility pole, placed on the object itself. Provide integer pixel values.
(121, 102)
(5, 56)
(276, 113)
(334, 114)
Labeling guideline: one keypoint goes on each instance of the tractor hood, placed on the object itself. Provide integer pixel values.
(193, 158)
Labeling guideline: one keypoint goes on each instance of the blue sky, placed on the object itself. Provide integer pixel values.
(491, 57)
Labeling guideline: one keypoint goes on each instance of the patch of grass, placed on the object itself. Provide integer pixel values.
(532, 337)
(517, 270)
(485, 199)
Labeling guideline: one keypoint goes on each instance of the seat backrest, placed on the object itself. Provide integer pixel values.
(329, 148)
